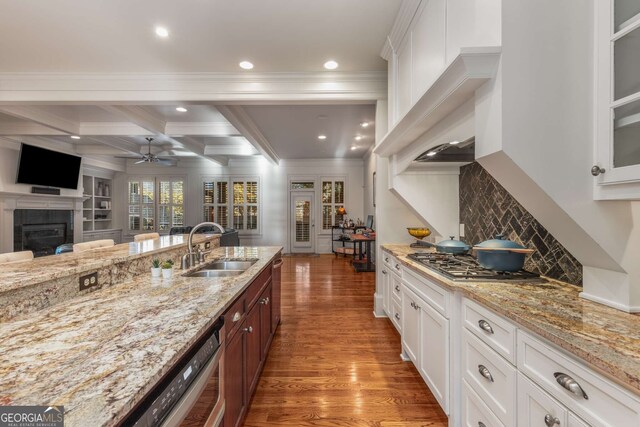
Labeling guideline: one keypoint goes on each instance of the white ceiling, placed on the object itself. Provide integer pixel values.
(205, 35)
(298, 139)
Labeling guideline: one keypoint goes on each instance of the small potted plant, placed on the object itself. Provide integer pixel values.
(155, 268)
(167, 269)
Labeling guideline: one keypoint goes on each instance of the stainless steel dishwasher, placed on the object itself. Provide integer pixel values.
(196, 378)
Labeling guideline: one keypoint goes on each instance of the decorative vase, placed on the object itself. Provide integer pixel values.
(167, 273)
(156, 272)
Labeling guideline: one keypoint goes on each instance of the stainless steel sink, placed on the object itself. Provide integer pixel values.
(222, 268)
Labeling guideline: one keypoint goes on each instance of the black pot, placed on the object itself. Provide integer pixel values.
(501, 255)
(451, 246)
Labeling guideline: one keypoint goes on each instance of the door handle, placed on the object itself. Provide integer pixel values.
(550, 420)
(485, 326)
(570, 384)
(485, 372)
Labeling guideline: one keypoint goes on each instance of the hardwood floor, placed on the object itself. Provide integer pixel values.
(332, 363)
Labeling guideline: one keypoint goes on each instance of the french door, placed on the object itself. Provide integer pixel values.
(302, 222)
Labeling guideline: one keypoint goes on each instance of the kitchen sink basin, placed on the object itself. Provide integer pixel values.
(222, 268)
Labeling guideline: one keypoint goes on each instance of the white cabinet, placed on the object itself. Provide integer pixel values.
(472, 23)
(384, 288)
(536, 408)
(403, 85)
(425, 337)
(618, 99)
(576, 422)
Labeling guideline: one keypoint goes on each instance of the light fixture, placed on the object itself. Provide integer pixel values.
(358, 137)
(341, 211)
(162, 32)
(75, 137)
(432, 153)
(331, 65)
(353, 147)
(181, 109)
(246, 65)
(454, 142)
(322, 137)
(364, 124)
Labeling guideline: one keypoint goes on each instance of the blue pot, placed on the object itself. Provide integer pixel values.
(500, 260)
(452, 246)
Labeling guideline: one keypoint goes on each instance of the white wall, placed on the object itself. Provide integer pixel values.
(273, 193)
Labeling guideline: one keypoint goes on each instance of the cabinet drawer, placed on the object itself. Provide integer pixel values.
(536, 408)
(493, 330)
(474, 411)
(396, 317)
(491, 377)
(435, 295)
(388, 259)
(234, 316)
(597, 400)
(396, 287)
(257, 286)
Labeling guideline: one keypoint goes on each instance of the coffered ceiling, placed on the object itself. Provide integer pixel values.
(98, 70)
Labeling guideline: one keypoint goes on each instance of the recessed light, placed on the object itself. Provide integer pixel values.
(331, 65)
(358, 137)
(75, 137)
(322, 137)
(454, 143)
(353, 147)
(181, 109)
(364, 124)
(246, 65)
(162, 32)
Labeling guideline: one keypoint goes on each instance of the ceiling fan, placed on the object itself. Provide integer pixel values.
(152, 158)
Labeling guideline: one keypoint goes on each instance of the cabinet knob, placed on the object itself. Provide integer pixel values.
(551, 421)
(485, 326)
(386, 259)
(570, 384)
(248, 330)
(397, 316)
(485, 372)
(398, 267)
(597, 170)
(236, 316)
(264, 301)
(481, 424)
(384, 271)
(397, 288)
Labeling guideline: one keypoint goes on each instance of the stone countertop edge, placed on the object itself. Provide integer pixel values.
(18, 275)
(603, 337)
(101, 353)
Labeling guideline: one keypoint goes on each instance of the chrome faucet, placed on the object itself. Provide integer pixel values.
(192, 257)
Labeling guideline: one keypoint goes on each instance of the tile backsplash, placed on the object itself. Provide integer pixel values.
(487, 209)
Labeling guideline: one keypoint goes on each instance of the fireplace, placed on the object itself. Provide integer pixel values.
(41, 231)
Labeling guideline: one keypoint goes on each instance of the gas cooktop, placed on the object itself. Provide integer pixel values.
(466, 268)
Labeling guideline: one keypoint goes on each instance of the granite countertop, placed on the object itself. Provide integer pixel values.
(21, 274)
(99, 354)
(606, 338)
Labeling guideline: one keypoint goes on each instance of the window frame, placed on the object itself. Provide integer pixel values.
(230, 179)
(156, 179)
(333, 204)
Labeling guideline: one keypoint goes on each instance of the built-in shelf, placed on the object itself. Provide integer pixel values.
(455, 86)
(94, 188)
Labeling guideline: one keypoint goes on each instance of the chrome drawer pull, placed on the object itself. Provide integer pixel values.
(485, 326)
(485, 372)
(570, 384)
(386, 259)
(397, 288)
(551, 421)
(236, 316)
(481, 424)
(248, 330)
(397, 316)
(384, 271)
(398, 267)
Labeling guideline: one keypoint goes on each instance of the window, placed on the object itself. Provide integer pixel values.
(151, 198)
(216, 202)
(332, 199)
(232, 202)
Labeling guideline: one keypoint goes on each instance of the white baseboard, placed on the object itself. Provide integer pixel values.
(378, 311)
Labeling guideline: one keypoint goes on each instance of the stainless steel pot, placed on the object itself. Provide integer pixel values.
(501, 254)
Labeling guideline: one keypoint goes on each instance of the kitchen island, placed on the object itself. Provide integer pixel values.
(99, 354)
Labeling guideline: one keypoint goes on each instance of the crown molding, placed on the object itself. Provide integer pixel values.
(407, 11)
(127, 88)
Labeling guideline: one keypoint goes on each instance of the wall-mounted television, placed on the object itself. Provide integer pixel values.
(39, 166)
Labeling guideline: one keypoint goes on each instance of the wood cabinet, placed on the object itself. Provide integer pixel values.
(250, 323)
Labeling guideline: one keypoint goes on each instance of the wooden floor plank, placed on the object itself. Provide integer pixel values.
(332, 363)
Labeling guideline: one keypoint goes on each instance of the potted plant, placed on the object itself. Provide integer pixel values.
(167, 269)
(155, 268)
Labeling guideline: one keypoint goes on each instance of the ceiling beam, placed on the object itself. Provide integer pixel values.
(239, 118)
(113, 128)
(99, 150)
(201, 128)
(41, 117)
(198, 148)
(139, 116)
(230, 150)
(118, 143)
(27, 129)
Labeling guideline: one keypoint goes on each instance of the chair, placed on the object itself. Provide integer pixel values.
(180, 230)
(95, 244)
(145, 236)
(64, 248)
(16, 256)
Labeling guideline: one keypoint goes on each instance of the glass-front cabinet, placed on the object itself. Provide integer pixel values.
(617, 99)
